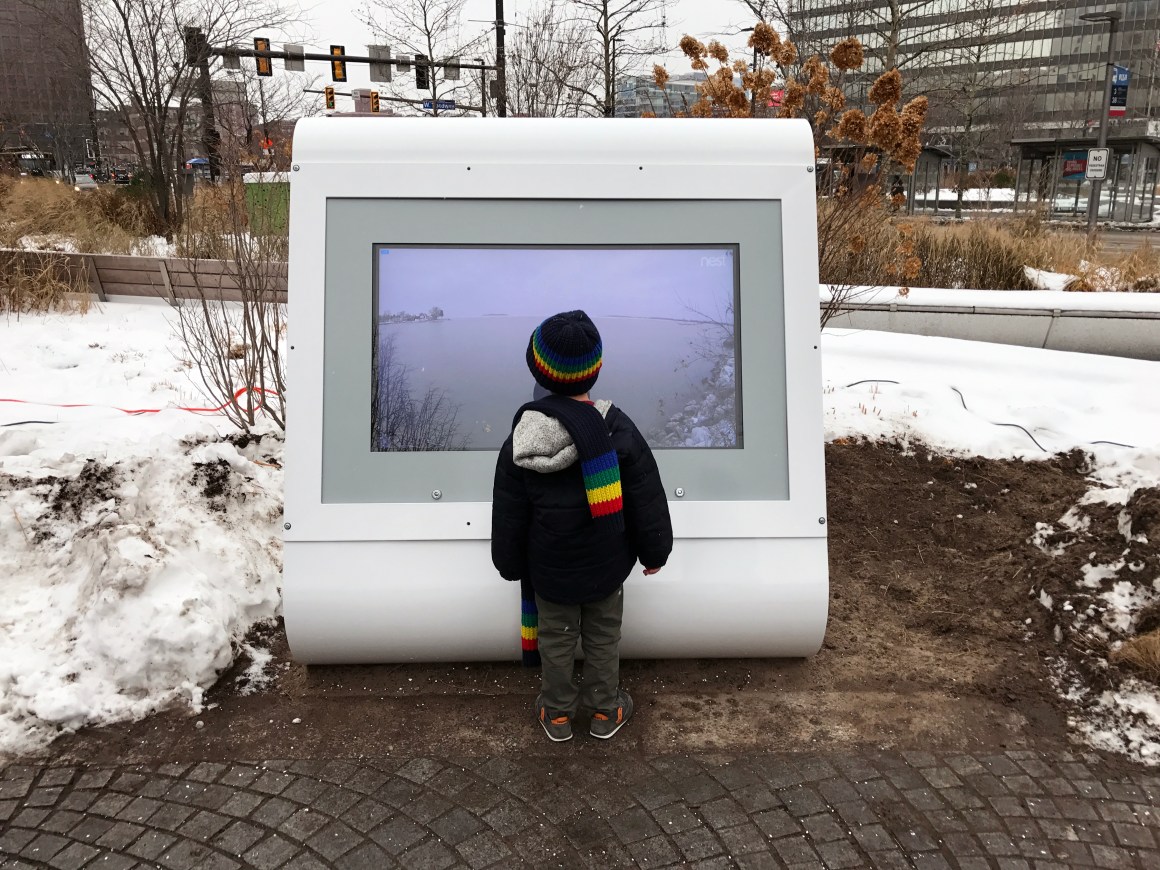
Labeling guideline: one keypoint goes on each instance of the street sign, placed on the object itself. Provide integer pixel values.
(295, 62)
(381, 66)
(1097, 164)
(441, 105)
(1119, 104)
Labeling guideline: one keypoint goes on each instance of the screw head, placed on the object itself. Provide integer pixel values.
(286, 526)
(821, 521)
(436, 494)
(808, 168)
(295, 167)
(679, 492)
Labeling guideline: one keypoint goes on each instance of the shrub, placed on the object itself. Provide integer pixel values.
(51, 214)
(35, 281)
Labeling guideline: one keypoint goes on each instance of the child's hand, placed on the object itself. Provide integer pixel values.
(648, 571)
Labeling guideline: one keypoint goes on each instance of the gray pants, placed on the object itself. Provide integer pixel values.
(595, 628)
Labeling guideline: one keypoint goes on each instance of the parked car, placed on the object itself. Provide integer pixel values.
(84, 181)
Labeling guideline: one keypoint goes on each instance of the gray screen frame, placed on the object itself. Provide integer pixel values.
(353, 473)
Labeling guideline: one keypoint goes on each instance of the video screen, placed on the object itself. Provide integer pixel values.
(451, 328)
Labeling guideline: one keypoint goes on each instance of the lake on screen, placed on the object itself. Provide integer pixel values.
(652, 367)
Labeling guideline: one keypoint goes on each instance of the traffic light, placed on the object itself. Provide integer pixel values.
(374, 101)
(338, 67)
(329, 91)
(265, 65)
(422, 73)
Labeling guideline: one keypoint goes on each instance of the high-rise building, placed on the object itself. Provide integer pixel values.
(1037, 57)
(46, 99)
(1017, 83)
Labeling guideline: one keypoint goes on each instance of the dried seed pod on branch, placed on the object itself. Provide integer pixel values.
(861, 159)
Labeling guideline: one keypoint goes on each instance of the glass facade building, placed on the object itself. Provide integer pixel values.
(1018, 83)
(636, 95)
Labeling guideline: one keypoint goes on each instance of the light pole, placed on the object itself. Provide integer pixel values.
(752, 91)
(610, 109)
(1112, 17)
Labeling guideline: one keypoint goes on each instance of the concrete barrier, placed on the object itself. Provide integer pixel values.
(1115, 324)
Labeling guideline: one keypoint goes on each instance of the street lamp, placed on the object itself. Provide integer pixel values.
(1112, 17)
(610, 107)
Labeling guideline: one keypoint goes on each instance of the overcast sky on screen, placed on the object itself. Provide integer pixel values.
(674, 283)
(338, 22)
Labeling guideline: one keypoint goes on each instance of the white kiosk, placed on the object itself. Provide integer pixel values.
(422, 255)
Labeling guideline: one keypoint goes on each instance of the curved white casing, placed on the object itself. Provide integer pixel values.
(414, 582)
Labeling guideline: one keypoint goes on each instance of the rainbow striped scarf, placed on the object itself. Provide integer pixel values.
(598, 461)
(529, 625)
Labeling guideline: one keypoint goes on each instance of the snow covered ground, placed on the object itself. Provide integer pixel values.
(138, 549)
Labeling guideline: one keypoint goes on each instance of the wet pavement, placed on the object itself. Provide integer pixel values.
(579, 805)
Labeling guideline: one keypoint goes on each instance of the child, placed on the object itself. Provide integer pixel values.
(577, 501)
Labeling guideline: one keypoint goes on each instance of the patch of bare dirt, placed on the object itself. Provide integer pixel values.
(927, 647)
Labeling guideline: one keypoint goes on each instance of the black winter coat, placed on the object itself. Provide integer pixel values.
(542, 528)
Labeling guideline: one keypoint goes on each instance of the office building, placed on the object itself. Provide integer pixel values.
(46, 99)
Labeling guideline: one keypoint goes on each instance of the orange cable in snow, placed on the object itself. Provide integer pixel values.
(261, 391)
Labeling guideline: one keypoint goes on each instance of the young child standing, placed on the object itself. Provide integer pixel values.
(578, 500)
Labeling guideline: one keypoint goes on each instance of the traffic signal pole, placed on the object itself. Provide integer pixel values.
(500, 63)
(386, 99)
(231, 51)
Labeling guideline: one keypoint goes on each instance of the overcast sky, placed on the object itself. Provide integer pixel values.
(337, 22)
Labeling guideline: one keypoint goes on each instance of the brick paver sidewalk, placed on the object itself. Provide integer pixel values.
(583, 808)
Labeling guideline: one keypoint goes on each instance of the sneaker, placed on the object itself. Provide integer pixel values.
(605, 723)
(558, 727)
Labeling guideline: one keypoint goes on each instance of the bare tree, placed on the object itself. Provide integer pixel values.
(137, 60)
(431, 29)
(620, 33)
(551, 66)
(234, 325)
(252, 110)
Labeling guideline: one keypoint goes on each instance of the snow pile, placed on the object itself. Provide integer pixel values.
(1041, 279)
(150, 246)
(50, 242)
(1107, 549)
(136, 550)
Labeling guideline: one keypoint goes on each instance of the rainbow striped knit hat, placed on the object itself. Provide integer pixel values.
(565, 353)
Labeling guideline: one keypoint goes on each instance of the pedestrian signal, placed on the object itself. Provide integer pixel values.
(422, 73)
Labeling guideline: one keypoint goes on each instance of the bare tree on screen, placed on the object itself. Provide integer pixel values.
(400, 419)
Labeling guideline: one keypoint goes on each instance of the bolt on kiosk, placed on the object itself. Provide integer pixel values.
(422, 255)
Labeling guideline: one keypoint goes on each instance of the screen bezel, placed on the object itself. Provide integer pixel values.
(352, 474)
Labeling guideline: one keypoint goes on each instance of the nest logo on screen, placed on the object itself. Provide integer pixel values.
(725, 259)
